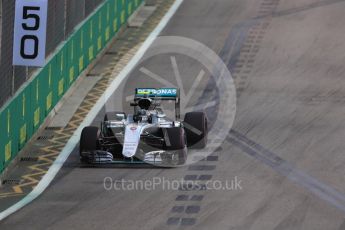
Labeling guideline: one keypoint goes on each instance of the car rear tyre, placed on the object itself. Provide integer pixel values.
(195, 124)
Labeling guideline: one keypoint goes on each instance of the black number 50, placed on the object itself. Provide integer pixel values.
(26, 26)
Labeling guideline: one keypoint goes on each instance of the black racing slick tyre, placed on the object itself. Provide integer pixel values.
(195, 125)
(175, 142)
(88, 142)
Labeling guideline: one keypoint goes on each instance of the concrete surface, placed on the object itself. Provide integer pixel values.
(71, 104)
(143, 14)
(286, 146)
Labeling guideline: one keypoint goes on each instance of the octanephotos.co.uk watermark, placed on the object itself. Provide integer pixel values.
(162, 183)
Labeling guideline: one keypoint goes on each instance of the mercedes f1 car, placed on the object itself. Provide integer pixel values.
(147, 135)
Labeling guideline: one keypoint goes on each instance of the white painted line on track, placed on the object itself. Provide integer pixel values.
(74, 140)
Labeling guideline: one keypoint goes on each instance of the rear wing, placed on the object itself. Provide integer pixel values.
(158, 93)
(172, 94)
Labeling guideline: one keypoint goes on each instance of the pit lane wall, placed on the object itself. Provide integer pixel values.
(26, 111)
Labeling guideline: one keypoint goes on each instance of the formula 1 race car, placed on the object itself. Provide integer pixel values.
(148, 135)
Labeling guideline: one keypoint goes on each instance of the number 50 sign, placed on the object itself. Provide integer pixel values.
(29, 41)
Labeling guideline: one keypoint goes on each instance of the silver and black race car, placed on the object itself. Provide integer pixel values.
(147, 135)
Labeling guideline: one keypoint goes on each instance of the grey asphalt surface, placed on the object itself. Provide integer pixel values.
(286, 148)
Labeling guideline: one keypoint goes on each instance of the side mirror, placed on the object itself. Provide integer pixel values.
(133, 104)
(121, 116)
